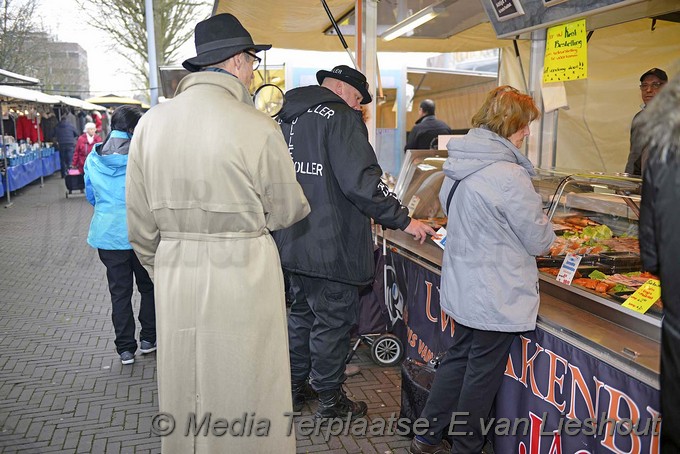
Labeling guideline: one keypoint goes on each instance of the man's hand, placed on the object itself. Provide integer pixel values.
(419, 230)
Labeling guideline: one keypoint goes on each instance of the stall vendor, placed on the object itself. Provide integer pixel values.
(650, 83)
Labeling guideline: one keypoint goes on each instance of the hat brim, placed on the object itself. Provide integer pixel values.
(215, 56)
(366, 96)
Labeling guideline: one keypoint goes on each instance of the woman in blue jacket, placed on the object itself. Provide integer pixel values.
(105, 170)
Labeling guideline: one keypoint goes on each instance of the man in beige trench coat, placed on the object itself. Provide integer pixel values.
(208, 178)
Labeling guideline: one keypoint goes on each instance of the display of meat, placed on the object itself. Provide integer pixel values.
(574, 245)
(630, 281)
(628, 244)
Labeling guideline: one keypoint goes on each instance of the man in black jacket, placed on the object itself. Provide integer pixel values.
(660, 242)
(426, 129)
(65, 136)
(651, 82)
(328, 255)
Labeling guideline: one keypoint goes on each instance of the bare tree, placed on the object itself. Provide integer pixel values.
(21, 37)
(125, 23)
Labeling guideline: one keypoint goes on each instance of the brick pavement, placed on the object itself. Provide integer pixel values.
(62, 387)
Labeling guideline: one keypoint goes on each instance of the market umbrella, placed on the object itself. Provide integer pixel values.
(115, 101)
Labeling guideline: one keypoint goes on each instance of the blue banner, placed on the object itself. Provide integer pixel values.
(426, 330)
(570, 402)
(20, 175)
(554, 399)
(50, 164)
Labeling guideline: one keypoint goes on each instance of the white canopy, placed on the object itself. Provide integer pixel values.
(21, 77)
(75, 102)
(26, 94)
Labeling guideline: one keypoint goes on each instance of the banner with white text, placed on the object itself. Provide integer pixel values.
(554, 399)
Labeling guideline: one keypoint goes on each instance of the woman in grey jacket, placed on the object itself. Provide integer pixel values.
(496, 226)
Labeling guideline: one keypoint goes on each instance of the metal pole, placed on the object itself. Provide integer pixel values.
(337, 30)
(4, 155)
(369, 62)
(534, 143)
(151, 46)
(42, 182)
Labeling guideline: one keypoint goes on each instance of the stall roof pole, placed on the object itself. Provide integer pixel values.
(542, 144)
(40, 140)
(151, 46)
(4, 156)
(368, 58)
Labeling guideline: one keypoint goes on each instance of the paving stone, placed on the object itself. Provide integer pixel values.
(62, 387)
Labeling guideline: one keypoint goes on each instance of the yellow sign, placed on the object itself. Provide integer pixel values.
(644, 297)
(566, 52)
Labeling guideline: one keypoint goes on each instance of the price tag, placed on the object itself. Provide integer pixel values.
(644, 297)
(569, 265)
(441, 242)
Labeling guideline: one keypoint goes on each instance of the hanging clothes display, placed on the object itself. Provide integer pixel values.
(28, 128)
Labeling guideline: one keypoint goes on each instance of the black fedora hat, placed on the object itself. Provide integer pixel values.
(219, 38)
(349, 75)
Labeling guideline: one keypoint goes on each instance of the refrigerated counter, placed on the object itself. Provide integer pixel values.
(589, 356)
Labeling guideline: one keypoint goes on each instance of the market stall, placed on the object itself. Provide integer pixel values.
(626, 38)
(24, 163)
(590, 127)
(32, 157)
(592, 359)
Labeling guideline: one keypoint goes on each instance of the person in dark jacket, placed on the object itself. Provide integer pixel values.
(426, 129)
(650, 83)
(65, 136)
(105, 171)
(328, 255)
(660, 242)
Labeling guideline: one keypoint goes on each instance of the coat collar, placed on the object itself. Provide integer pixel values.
(224, 81)
(425, 118)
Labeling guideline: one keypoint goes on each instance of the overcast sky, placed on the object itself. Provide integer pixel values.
(109, 72)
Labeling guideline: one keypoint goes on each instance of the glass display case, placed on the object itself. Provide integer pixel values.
(594, 216)
(418, 185)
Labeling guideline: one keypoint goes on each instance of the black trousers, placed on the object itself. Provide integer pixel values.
(121, 265)
(670, 387)
(322, 315)
(66, 156)
(465, 386)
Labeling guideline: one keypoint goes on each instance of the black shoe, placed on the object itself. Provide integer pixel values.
(302, 392)
(419, 447)
(335, 404)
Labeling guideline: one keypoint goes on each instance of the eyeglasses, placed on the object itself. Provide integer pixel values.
(256, 60)
(654, 86)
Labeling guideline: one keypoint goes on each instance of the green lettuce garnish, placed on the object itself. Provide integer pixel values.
(621, 288)
(600, 232)
(599, 275)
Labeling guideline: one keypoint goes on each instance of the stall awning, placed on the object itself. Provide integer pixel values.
(26, 94)
(301, 25)
(79, 103)
(115, 101)
(23, 80)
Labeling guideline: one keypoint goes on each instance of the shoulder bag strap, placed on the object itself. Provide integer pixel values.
(448, 199)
